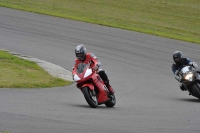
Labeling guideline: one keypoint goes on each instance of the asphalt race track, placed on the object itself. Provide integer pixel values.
(139, 67)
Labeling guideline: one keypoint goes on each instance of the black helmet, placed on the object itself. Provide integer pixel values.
(177, 57)
(80, 52)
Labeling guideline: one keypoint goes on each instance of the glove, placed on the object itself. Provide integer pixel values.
(178, 78)
(194, 65)
(191, 64)
(176, 73)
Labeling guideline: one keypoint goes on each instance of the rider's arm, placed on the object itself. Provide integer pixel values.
(174, 69)
(188, 61)
(95, 61)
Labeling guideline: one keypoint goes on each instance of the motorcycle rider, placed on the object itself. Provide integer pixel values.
(89, 58)
(180, 62)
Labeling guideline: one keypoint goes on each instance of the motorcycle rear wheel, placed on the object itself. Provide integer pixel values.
(89, 97)
(112, 101)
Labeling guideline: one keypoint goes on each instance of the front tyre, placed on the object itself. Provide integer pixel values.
(90, 97)
(196, 90)
(112, 101)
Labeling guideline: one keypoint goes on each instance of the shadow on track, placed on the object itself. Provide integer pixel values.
(190, 100)
(87, 106)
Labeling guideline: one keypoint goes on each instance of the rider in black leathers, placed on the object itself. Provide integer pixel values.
(179, 62)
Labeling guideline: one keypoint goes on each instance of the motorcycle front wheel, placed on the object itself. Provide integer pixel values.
(196, 90)
(90, 97)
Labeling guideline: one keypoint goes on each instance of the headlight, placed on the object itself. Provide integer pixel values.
(76, 77)
(189, 77)
(88, 72)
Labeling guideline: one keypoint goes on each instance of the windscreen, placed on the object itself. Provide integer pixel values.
(185, 69)
(81, 67)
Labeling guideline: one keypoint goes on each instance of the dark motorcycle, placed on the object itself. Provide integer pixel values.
(190, 78)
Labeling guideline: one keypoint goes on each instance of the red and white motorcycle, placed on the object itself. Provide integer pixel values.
(93, 87)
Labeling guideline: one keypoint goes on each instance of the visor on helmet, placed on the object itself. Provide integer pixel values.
(80, 56)
(177, 59)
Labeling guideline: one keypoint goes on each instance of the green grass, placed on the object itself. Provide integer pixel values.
(19, 73)
(177, 19)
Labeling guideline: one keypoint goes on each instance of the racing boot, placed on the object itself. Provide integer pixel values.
(111, 91)
(104, 77)
(182, 87)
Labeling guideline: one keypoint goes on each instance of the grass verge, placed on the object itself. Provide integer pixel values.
(177, 19)
(19, 73)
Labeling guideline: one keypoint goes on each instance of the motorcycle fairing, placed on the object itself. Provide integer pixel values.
(90, 85)
(76, 77)
(193, 84)
(82, 72)
(87, 73)
(197, 77)
(102, 96)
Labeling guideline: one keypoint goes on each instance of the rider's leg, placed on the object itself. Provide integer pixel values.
(104, 77)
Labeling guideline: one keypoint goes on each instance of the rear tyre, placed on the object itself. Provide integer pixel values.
(112, 101)
(90, 97)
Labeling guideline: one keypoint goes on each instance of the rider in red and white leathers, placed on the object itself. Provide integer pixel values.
(89, 58)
